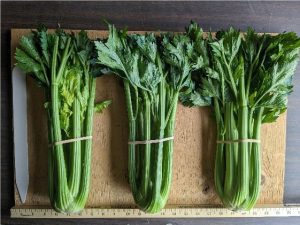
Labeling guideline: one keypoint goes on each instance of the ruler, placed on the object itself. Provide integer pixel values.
(272, 211)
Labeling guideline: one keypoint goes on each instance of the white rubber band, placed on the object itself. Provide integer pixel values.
(71, 140)
(150, 141)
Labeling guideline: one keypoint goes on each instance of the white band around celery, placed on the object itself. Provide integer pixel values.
(150, 141)
(71, 140)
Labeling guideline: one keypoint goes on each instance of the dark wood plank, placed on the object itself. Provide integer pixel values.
(172, 16)
(219, 221)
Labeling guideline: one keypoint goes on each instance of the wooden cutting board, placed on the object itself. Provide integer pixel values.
(194, 149)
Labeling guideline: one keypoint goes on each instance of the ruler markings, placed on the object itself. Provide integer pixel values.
(165, 213)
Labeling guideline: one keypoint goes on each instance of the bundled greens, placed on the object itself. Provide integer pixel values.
(63, 65)
(154, 70)
(247, 79)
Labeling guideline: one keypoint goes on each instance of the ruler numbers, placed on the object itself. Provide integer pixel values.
(165, 213)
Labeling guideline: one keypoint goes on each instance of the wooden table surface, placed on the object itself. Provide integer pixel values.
(169, 16)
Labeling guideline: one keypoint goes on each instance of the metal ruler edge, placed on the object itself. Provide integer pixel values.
(268, 211)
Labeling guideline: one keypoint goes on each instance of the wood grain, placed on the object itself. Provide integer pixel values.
(262, 16)
(194, 148)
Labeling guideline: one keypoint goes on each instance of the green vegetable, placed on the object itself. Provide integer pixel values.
(63, 65)
(154, 70)
(248, 80)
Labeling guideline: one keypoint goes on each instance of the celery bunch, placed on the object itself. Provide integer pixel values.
(62, 64)
(246, 79)
(154, 70)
